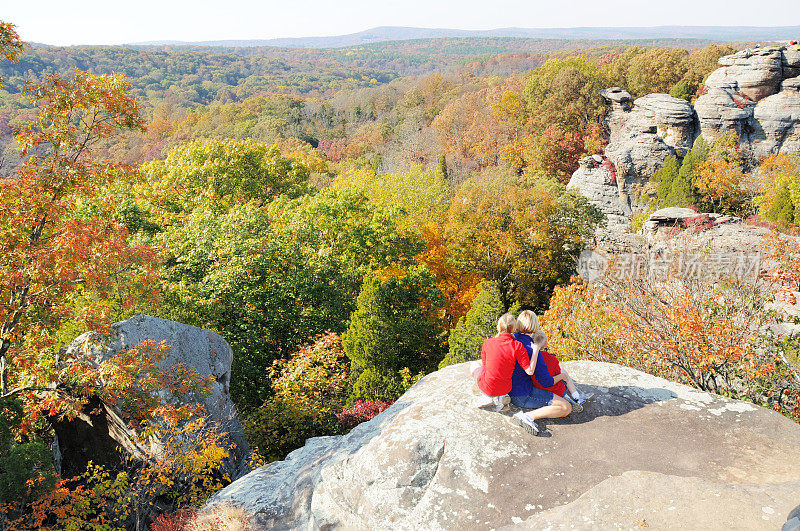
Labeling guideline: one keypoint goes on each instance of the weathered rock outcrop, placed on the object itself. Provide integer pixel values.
(777, 120)
(648, 448)
(597, 180)
(641, 138)
(720, 110)
(102, 428)
(755, 93)
(754, 73)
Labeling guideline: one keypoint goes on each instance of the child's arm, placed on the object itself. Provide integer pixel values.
(534, 358)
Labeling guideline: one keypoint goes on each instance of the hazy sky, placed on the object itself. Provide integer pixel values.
(118, 21)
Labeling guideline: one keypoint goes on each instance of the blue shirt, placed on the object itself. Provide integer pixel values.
(521, 384)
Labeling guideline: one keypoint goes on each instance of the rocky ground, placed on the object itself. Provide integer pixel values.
(646, 452)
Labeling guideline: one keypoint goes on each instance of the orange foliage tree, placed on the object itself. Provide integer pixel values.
(708, 332)
(177, 462)
(458, 287)
(719, 178)
(62, 255)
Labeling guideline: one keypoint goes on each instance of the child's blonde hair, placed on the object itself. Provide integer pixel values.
(540, 338)
(506, 323)
(527, 322)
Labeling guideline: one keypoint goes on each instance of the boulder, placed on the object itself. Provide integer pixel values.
(598, 182)
(671, 214)
(791, 61)
(649, 449)
(778, 119)
(205, 351)
(793, 521)
(720, 110)
(754, 73)
(674, 119)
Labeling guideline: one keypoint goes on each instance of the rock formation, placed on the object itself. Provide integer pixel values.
(647, 449)
(97, 433)
(755, 93)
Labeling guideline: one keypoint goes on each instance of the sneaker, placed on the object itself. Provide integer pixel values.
(522, 420)
(501, 402)
(577, 407)
(582, 399)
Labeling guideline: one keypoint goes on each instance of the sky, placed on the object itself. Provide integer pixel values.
(64, 22)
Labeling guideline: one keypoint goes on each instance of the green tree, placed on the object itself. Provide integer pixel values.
(564, 92)
(395, 331)
(465, 340)
(672, 187)
(341, 235)
(442, 168)
(21, 462)
(665, 176)
(782, 209)
(220, 173)
(524, 237)
(683, 90)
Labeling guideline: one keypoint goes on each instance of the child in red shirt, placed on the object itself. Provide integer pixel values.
(563, 381)
(499, 355)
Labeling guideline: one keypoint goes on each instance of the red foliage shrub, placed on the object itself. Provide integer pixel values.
(758, 221)
(702, 90)
(741, 101)
(608, 165)
(699, 223)
(361, 411)
(176, 521)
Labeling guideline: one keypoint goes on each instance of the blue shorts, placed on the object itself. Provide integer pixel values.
(538, 398)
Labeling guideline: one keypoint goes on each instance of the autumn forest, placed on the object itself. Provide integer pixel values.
(348, 220)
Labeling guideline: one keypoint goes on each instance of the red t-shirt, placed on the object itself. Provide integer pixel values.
(553, 367)
(499, 354)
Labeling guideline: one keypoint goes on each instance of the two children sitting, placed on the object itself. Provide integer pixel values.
(501, 352)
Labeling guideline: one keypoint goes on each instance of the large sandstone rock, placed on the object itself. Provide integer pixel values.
(642, 136)
(720, 110)
(754, 73)
(619, 105)
(205, 351)
(778, 121)
(755, 93)
(791, 61)
(597, 181)
(645, 449)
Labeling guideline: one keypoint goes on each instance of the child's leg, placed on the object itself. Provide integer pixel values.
(570, 384)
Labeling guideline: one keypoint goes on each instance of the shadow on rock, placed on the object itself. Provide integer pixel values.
(612, 402)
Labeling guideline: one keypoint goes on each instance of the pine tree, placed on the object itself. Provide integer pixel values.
(442, 165)
(480, 323)
(683, 90)
(782, 208)
(665, 177)
(396, 329)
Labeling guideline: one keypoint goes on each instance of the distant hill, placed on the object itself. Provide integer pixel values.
(396, 33)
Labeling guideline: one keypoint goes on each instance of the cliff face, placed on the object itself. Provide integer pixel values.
(649, 449)
(755, 93)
